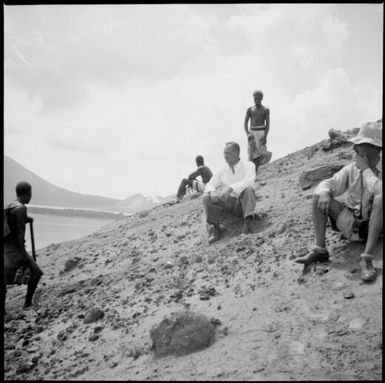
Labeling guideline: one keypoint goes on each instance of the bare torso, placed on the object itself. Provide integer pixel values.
(258, 115)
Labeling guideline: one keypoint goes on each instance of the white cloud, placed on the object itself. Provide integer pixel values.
(122, 98)
(334, 104)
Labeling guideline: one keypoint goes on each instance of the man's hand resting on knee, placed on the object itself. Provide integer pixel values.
(324, 202)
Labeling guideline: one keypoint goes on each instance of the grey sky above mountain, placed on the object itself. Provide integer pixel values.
(119, 99)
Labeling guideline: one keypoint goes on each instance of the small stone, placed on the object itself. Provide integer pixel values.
(25, 367)
(62, 336)
(215, 321)
(348, 294)
(168, 265)
(93, 337)
(93, 315)
(357, 323)
(333, 316)
(339, 286)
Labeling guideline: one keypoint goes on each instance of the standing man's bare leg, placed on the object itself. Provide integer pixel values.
(368, 272)
(319, 253)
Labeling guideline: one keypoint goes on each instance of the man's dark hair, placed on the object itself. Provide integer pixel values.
(199, 160)
(23, 188)
(234, 146)
(370, 148)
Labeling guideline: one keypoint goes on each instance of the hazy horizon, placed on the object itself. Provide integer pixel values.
(114, 100)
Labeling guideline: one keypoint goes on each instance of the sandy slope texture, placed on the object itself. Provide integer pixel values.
(273, 323)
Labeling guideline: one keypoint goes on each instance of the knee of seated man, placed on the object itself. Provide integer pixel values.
(248, 190)
(377, 202)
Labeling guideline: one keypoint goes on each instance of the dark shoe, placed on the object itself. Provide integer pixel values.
(214, 234)
(368, 272)
(313, 256)
(247, 226)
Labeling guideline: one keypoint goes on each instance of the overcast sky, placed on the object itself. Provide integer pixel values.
(114, 100)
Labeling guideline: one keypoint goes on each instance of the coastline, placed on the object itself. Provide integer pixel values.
(76, 212)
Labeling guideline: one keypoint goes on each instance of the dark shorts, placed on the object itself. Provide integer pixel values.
(13, 260)
(349, 225)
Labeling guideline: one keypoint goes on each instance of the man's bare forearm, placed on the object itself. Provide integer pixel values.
(246, 123)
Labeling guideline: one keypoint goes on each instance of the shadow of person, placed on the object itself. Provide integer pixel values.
(348, 259)
(232, 225)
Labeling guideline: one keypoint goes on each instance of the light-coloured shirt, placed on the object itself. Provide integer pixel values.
(242, 177)
(360, 187)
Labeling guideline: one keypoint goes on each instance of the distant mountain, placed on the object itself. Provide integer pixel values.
(138, 202)
(46, 194)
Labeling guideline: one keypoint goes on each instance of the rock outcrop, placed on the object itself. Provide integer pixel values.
(182, 333)
(312, 177)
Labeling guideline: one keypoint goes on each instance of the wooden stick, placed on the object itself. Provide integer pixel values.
(32, 241)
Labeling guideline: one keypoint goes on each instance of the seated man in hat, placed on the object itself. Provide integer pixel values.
(359, 217)
(203, 171)
(230, 190)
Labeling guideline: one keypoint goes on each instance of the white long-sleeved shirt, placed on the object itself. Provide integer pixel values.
(360, 187)
(242, 177)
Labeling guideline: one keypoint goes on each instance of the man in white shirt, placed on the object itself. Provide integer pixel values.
(230, 190)
(359, 216)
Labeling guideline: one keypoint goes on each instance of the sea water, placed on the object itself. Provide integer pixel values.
(52, 228)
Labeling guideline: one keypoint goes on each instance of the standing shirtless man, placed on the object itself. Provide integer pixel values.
(259, 117)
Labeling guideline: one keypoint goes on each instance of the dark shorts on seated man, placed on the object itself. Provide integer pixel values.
(349, 224)
(242, 206)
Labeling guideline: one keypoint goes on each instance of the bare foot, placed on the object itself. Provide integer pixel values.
(27, 306)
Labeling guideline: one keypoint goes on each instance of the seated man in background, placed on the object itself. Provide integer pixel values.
(230, 190)
(203, 171)
(360, 216)
(15, 254)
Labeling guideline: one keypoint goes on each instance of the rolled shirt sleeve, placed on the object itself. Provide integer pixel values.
(372, 182)
(337, 184)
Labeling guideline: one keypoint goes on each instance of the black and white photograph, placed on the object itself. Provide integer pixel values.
(192, 192)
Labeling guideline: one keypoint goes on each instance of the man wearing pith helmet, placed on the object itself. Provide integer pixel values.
(359, 216)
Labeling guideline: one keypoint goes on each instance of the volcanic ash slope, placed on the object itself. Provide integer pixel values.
(272, 322)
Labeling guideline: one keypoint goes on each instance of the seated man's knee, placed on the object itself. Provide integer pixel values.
(249, 190)
(377, 202)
